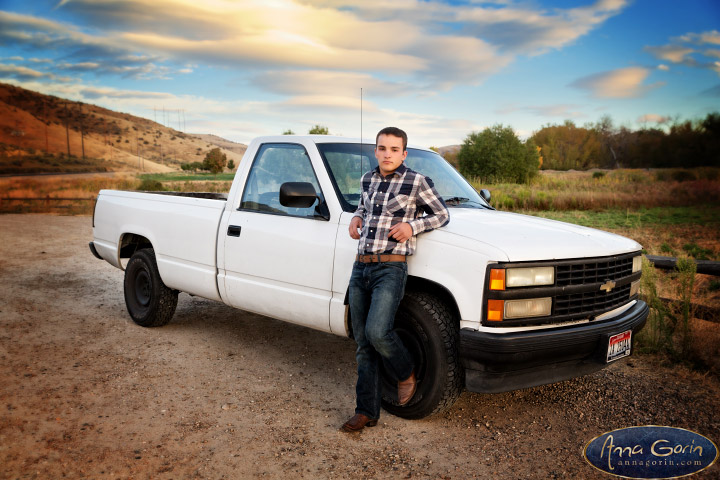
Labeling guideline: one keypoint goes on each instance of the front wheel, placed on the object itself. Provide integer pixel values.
(149, 302)
(429, 331)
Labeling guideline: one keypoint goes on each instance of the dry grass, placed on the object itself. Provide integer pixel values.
(64, 195)
(561, 191)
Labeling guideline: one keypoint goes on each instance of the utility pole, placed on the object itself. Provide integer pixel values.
(47, 148)
(67, 131)
(82, 132)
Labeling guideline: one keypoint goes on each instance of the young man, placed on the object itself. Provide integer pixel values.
(386, 223)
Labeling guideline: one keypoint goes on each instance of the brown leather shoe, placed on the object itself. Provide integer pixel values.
(358, 422)
(406, 389)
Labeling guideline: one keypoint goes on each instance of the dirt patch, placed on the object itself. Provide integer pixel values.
(220, 393)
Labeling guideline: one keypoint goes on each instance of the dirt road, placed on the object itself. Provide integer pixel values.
(220, 393)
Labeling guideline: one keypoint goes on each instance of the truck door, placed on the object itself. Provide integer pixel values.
(278, 260)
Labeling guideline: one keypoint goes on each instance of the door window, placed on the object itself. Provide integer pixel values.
(275, 164)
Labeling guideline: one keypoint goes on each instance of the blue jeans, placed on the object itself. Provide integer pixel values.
(375, 293)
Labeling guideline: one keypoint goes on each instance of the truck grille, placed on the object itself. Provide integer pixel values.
(591, 303)
(593, 272)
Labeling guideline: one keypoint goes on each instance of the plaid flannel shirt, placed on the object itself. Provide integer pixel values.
(402, 196)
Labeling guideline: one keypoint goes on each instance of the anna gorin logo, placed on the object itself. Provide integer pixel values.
(651, 452)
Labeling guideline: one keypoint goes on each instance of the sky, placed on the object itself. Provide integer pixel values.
(439, 69)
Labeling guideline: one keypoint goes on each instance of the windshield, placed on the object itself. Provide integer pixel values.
(348, 162)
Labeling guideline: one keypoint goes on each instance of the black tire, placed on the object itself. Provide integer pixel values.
(429, 331)
(149, 302)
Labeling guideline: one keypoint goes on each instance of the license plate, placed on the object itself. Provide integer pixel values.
(619, 346)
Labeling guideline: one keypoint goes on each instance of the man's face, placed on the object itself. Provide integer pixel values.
(389, 153)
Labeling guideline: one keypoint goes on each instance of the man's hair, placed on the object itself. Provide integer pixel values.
(395, 132)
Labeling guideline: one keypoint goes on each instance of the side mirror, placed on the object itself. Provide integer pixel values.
(485, 194)
(297, 194)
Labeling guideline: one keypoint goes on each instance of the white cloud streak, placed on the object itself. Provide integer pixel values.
(620, 83)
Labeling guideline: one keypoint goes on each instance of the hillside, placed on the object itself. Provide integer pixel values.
(37, 131)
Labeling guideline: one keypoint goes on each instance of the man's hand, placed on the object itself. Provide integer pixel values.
(401, 232)
(355, 227)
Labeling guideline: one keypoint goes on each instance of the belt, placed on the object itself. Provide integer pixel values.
(381, 258)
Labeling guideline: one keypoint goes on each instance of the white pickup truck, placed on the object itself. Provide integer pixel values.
(495, 301)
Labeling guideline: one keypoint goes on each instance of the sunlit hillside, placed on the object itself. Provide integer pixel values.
(42, 133)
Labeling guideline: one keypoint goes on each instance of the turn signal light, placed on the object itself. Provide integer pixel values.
(497, 279)
(495, 310)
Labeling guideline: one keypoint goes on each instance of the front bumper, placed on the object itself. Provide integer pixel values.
(500, 362)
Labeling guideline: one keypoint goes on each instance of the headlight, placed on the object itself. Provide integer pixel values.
(530, 307)
(499, 310)
(637, 264)
(528, 277)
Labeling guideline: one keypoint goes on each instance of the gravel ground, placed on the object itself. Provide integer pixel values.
(220, 393)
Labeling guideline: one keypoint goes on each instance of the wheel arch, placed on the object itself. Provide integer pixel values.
(131, 243)
(414, 284)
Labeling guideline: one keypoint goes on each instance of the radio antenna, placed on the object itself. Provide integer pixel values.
(362, 170)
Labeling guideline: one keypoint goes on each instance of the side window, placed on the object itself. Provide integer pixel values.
(275, 164)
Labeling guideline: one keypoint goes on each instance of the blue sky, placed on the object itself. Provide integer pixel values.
(438, 69)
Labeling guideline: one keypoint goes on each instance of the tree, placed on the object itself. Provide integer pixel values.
(288, 132)
(567, 147)
(215, 161)
(318, 130)
(231, 164)
(496, 154)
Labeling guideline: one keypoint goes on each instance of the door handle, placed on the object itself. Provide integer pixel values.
(233, 231)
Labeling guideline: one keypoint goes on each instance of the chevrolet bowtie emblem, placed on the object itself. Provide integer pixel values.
(607, 286)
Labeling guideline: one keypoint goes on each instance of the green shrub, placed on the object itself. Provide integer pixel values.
(697, 252)
(497, 155)
(148, 185)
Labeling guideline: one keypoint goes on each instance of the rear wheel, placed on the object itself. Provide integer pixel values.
(149, 302)
(430, 333)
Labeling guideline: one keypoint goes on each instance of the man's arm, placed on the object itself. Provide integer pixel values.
(430, 202)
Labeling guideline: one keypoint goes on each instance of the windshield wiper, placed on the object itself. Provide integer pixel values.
(456, 200)
(452, 201)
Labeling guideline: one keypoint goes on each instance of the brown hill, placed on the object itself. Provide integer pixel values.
(43, 133)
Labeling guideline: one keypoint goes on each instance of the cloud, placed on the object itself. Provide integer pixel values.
(663, 67)
(25, 73)
(110, 54)
(428, 43)
(691, 50)
(671, 53)
(528, 31)
(705, 38)
(94, 93)
(21, 73)
(309, 82)
(621, 83)
(653, 118)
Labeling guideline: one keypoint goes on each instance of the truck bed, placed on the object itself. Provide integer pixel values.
(181, 227)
